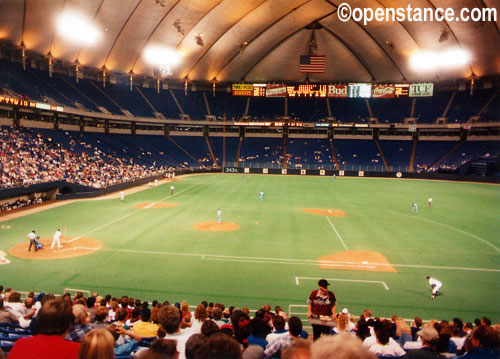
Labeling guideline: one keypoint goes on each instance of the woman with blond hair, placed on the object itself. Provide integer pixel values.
(97, 344)
(342, 324)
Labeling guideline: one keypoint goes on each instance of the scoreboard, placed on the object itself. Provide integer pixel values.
(350, 90)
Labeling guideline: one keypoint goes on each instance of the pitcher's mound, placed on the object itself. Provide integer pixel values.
(75, 248)
(325, 212)
(147, 205)
(216, 227)
(357, 260)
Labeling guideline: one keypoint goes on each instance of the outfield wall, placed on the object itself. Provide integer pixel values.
(341, 173)
(74, 191)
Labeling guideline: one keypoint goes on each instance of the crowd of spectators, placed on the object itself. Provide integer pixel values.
(19, 203)
(28, 158)
(78, 327)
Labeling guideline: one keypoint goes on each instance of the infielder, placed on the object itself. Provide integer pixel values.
(435, 285)
(56, 239)
(219, 216)
(414, 207)
(32, 237)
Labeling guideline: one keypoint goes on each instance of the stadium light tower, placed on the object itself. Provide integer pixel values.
(433, 60)
(162, 58)
(77, 28)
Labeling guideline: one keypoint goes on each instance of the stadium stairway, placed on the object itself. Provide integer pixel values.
(285, 157)
(238, 153)
(412, 157)
(381, 154)
(211, 151)
(334, 154)
(446, 155)
(186, 152)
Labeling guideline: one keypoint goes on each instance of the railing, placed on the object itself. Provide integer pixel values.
(298, 311)
(317, 166)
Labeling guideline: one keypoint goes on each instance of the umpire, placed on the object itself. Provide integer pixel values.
(32, 237)
(321, 302)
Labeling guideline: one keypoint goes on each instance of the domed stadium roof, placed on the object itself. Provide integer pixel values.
(256, 40)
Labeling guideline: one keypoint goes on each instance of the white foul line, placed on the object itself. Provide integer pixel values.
(131, 214)
(433, 222)
(286, 261)
(345, 280)
(337, 233)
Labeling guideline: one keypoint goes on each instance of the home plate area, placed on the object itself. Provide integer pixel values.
(357, 260)
(71, 247)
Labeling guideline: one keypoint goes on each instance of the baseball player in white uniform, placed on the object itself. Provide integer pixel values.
(435, 285)
(219, 216)
(430, 202)
(56, 239)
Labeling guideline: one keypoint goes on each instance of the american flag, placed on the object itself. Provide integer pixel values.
(314, 64)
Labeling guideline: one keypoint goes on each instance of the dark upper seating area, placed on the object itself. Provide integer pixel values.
(145, 101)
(262, 150)
(309, 153)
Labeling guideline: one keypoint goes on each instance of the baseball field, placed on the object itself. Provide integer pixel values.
(360, 234)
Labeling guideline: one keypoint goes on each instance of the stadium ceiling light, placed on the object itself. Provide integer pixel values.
(429, 60)
(423, 60)
(453, 58)
(162, 56)
(76, 28)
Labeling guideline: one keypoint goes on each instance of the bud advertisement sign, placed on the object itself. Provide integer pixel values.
(275, 90)
(360, 90)
(425, 89)
(383, 91)
(337, 91)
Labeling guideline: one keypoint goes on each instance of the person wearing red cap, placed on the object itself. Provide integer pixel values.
(321, 303)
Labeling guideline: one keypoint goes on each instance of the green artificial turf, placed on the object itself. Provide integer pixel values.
(157, 254)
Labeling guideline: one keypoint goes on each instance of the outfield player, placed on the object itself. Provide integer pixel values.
(56, 239)
(219, 215)
(172, 190)
(122, 196)
(430, 202)
(435, 285)
(414, 207)
(261, 196)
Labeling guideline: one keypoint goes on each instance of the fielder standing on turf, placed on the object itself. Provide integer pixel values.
(435, 285)
(219, 216)
(172, 190)
(414, 207)
(56, 239)
(261, 196)
(430, 202)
